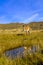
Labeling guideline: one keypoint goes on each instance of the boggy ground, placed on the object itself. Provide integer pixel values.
(12, 41)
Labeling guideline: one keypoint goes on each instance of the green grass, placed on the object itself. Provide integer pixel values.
(36, 59)
(12, 41)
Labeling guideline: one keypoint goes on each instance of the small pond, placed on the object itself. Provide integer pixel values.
(15, 52)
(19, 52)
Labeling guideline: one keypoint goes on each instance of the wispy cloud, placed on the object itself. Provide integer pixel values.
(41, 19)
(32, 18)
(21, 11)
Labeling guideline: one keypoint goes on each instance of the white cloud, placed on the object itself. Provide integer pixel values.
(41, 19)
(31, 18)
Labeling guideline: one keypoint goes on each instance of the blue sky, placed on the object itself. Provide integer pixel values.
(23, 11)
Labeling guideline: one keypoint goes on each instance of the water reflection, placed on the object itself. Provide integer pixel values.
(15, 52)
(20, 51)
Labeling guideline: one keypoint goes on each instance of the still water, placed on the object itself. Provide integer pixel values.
(19, 52)
(14, 53)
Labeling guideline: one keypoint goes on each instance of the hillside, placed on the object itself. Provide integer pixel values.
(33, 25)
(11, 26)
(36, 25)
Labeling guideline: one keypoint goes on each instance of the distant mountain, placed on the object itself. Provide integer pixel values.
(11, 26)
(33, 25)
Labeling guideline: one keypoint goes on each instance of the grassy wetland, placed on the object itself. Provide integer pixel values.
(9, 41)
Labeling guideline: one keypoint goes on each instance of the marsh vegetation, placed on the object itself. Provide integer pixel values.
(13, 41)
